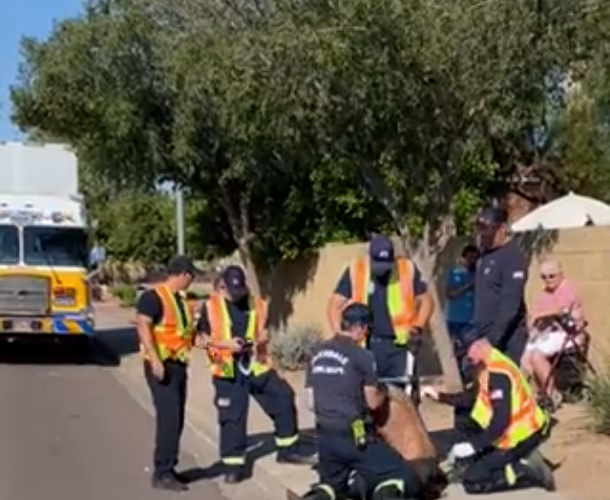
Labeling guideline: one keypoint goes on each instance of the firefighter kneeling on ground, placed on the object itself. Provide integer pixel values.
(504, 454)
(343, 389)
(233, 329)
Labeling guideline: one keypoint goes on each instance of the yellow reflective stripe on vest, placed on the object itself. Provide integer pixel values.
(228, 368)
(527, 417)
(183, 317)
(399, 294)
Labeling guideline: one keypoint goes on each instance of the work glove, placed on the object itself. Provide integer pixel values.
(460, 451)
(430, 392)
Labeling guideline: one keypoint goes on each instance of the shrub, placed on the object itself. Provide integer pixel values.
(292, 349)
(126, 294)
(598, 403)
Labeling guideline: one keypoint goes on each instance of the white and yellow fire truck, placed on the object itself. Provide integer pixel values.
(44, 285)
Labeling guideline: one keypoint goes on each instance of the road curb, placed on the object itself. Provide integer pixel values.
(268, 483)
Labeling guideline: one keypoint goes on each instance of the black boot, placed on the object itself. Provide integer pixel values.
(234, 475)
(356, 487)
(539, 471)
(388, 493)
(319, 492)
(522, 479)
(293, 455)
(168, 482)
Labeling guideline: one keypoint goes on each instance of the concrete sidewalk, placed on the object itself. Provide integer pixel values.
(274, 479)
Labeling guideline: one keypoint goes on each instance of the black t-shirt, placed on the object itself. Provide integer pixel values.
(239, 315)
(150, 305)
(337, 374)
(500, 310)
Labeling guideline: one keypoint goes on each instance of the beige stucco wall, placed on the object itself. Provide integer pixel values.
(298, 291)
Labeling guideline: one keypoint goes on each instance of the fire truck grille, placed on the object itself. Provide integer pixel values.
(24, 295)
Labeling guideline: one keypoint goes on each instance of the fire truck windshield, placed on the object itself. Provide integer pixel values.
(55, 246)
(9, 244)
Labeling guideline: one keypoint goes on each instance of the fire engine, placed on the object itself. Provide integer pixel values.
(44, 282)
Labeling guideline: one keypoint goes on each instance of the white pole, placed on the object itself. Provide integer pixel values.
(180, 220)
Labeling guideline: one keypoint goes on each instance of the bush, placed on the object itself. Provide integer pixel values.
(598, 404)
(293, 348)
(126, 294)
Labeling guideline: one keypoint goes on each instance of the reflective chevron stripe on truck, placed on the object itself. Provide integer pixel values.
(56, 324)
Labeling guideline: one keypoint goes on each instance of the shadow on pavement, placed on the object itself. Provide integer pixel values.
(119, 342)
(263, 444)
(444, 440)
(106, 349)
(196, 474)
(55, 350)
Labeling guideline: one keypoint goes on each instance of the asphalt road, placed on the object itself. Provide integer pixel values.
(71, 432)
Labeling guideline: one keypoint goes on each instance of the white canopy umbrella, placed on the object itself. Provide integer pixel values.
(569, 211)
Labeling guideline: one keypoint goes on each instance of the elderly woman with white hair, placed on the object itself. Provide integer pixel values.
(547, 338)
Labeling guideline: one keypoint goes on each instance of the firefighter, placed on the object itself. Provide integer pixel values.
(233, 330)
(165, 328)
(503, 454)
(398, 297)
(499, 291)
(343, 389)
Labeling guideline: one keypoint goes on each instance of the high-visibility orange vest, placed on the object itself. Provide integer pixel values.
(401, 300)
(173, 336)
(527, 417)
(221, 361)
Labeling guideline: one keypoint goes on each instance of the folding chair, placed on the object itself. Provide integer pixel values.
(574, 351)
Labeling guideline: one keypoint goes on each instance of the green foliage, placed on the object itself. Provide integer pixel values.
(126, 294)
(296, 123)
(293, 348)
(598, 404)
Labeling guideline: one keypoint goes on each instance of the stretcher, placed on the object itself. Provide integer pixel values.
(409, 381)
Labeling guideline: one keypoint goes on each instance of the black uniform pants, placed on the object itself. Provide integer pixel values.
(232, 400)
(514, 346)
(499, 469)
(376, 463)
(169, 400)
(390, 359)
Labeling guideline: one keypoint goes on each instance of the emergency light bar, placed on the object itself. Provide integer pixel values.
(23, 216)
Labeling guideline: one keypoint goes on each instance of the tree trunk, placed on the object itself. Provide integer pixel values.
(239, 220)
(248, 262)
(425, 260)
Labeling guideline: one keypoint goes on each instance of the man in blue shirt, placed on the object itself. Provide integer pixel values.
(459, 290)
(500, 312)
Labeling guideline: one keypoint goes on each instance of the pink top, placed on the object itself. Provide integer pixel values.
(565, 296)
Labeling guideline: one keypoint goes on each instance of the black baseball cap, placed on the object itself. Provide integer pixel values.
(234, 279)
(355, 314)
(492, 216)
(181, 264)
(381, 252)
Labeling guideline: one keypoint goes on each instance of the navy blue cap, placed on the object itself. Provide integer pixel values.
(492, 216)
(355, 314)
(465, 340)
(381, 249)
(234, 279)
(181, 264)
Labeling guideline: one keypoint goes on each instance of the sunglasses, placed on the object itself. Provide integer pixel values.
(548, 276)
